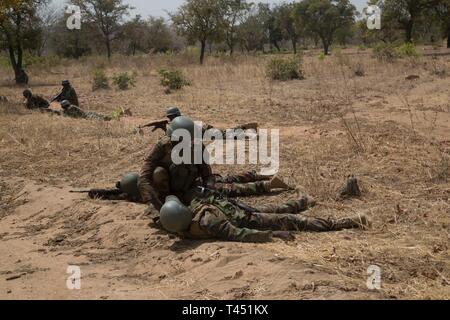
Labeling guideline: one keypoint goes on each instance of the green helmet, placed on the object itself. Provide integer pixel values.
(173, 112)
(129, 185)
(65, 104)
(175, 217)
(180, 123)
(27, 93)
(65, 83)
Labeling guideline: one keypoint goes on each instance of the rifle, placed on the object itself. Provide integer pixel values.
(235, 202)
(56, 97)
(159, 124)
(100, 193)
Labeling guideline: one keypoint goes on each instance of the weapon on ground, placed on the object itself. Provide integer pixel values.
(99, 193)
(237, 203)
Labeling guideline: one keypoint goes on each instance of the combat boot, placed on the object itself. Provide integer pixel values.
(357, 222)
(349, 189)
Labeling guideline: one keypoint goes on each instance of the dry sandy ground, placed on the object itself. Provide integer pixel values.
(393, 133)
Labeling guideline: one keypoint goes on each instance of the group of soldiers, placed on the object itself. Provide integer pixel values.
(190, 200)
(193, 202)
(68, 100)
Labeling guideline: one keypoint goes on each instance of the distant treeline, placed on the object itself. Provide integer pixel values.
(36, 27)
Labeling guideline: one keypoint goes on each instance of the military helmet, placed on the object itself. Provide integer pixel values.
(65, 82)
(175, 217)
(27, 93)
(173, 112)
(180, 123)
(65, 103)
(130, 185)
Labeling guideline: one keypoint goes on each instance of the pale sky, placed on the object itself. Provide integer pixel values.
(159, 7)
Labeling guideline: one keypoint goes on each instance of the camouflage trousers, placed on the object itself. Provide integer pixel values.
(96, 116)
(241, 185)
(236, 225)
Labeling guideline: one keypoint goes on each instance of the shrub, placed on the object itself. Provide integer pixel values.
(407, 50)
(385, 52)
(321, 56)
(124, 80)
(284, 69)
(173, 80)
(99, 80)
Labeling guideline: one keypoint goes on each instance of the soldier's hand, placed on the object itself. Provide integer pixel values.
(285, 235)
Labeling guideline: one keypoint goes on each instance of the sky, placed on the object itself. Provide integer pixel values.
(159, 7)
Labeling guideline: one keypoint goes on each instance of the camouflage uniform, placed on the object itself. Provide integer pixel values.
(241, 185)
(161, 156)
(68, 93)
(218, 218)
(36, 102)
(75, 112)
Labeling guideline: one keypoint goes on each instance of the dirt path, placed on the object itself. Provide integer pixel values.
(120, 257)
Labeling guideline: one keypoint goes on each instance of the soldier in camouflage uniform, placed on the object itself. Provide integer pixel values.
(34, 101)
(218, 218)
(67, 93)
(186, 178)
(173, 113)
(73, 111)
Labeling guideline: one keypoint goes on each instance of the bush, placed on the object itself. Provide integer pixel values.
(321, 56)
(385, 52)
(99, 80)
(173, 80)
(124, 80)
(284, 69)
(407, 50)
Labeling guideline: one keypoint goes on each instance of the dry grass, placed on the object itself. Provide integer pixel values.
(391, 133)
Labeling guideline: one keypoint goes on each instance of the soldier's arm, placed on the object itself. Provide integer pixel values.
(148, 193)
(222, 228)
(205, 170)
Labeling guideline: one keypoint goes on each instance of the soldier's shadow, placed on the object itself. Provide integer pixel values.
(185, 245)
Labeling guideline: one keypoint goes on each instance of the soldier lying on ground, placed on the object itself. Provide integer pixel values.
(186, 178)
(245, 184)
(212, 217)
(67, 93)
(73, 111)
(174, 112)
(34, 101)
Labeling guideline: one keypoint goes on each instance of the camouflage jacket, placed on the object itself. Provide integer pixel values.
(37, 102)
(161, 156)
(70, 95)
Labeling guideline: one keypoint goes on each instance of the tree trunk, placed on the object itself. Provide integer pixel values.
(409, 30)
(202, 51)
(108, 48)
(275, 44)
(448, 37)
(326, 46)
(294, 45)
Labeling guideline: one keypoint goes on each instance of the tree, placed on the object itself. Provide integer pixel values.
(234, 13)
(133, 34)
(199, 20)
(274, 33)
(325, 17)
(18, 21)
(251, 33)
(443, 13)
(406, 12)
(285, 21)
(107, 16)
(159, 37)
